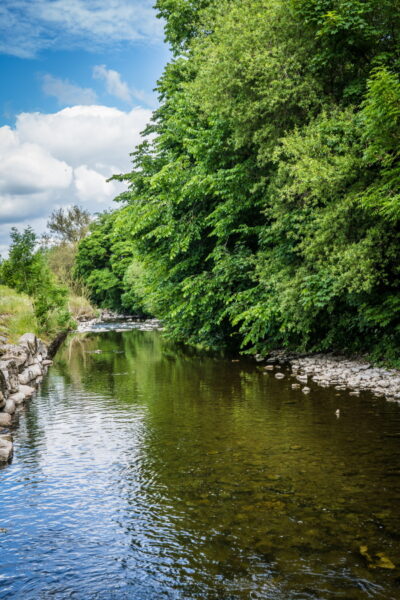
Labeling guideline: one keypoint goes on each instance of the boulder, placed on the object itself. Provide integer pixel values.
(13, 352)
(18, 398)
(5, 419)
(30, 341)
(9, 407)
(27, 390)
(42, 349)
(3, 383)
(6, 449)
(29, 374)
(10, 371)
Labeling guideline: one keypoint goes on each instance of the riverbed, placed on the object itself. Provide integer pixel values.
(146, 470)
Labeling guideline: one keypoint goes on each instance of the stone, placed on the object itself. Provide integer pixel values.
(296, 386)
(27, 390)
(19, 354)
(302, 378)
(279, 375)
(47, 363)
(18, 398)
(269, 368)
(6, 452)
(306, 390)
(30, 341)
(10, 371)
(29, 374)
(9, 407)
(42, 349)
(5, 419)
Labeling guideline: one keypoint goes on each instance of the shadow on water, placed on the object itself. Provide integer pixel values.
(148, 470)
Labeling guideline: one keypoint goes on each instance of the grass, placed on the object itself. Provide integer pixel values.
(80, 307)
(16, 314)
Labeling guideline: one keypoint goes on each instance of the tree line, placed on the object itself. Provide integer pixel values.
(262, 209)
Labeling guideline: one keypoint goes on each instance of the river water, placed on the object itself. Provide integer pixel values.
(146, 470)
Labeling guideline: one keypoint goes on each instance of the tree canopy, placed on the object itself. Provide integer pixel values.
(263, 208)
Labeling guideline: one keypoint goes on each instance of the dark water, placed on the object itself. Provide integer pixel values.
(147, 471)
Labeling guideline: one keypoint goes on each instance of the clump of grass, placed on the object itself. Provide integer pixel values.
(80, 307)
(16, 314)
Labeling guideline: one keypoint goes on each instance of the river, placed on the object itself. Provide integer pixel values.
(146, 470)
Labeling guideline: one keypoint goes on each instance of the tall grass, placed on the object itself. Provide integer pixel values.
(16, 314)
(80, 307)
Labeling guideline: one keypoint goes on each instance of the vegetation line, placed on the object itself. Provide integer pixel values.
(263, 207)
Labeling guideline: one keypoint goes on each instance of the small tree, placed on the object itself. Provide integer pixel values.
(26, 270)
(70, 225)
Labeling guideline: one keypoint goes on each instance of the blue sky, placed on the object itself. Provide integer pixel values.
(77, 89)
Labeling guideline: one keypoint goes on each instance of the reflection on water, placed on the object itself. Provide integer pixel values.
(145, 470)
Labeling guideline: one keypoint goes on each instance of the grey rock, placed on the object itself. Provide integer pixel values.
(9, 407)
(30, 341)
(29, 374)
(18, 398)
(10, 371)
(27, 390)
(18, 353)
(5, 419)
(6, 450)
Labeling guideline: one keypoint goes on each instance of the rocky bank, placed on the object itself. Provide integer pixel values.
(325, 370)
(22, 367)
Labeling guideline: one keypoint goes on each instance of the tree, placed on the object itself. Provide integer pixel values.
(70, 225)
(26, 270)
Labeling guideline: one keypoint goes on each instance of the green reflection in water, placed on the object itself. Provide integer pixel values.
(262, 485)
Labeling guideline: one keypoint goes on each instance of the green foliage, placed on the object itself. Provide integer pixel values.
(26, 270)
(263, 207)
(103, 265)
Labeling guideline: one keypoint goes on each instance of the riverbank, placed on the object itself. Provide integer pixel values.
(332, 370)
(22, 367)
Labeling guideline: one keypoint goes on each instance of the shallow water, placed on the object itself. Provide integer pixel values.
(144, 470)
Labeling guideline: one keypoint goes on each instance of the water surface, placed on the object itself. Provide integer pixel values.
(144, 470)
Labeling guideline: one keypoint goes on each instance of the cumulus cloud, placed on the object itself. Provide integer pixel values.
(28, 26)
(67, 92)
(64, 158)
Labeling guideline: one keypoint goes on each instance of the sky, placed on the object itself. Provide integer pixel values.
(77, 89)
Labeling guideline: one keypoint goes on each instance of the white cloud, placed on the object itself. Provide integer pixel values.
(114, 84)
(53, 160)
(91, 186)
(28, 26)
(66, 92)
